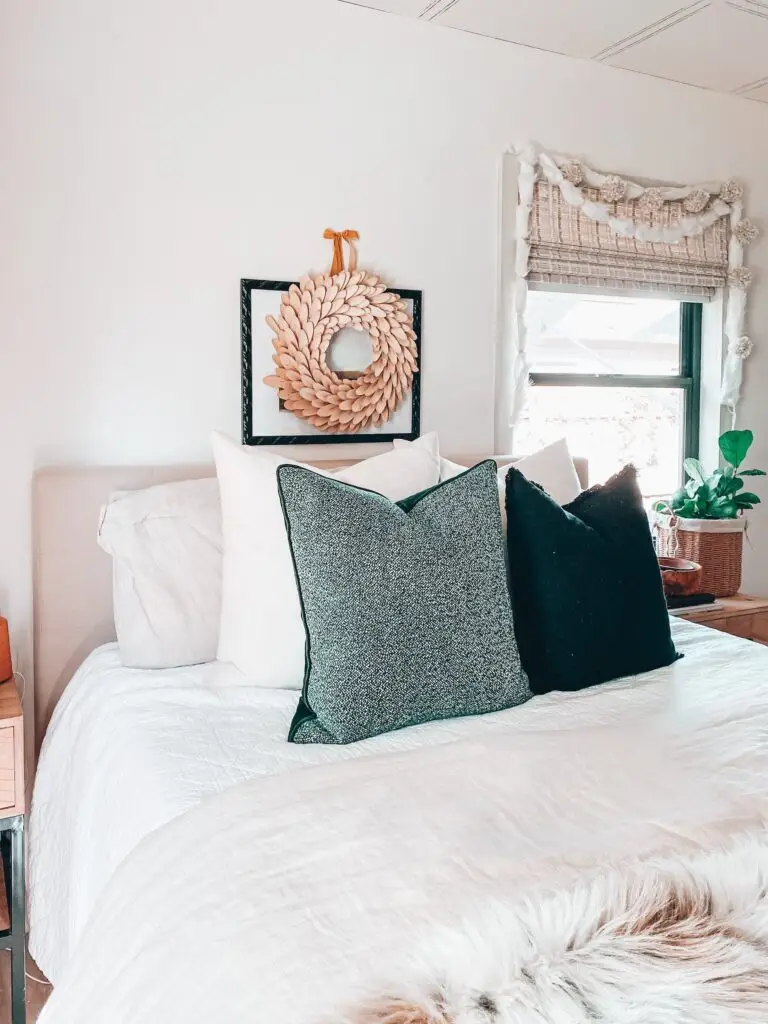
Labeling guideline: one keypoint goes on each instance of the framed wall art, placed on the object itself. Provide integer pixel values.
(334, 358)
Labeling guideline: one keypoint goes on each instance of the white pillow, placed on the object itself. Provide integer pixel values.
(551, 467)
(261, 629)
(166, 547)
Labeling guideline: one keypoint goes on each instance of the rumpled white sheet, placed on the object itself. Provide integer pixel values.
(129, 749)
(277, 900)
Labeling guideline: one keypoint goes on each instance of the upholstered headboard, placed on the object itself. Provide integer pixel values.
(73, 576)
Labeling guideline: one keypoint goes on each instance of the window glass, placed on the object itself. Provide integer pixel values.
(611, 427)
(606, 334)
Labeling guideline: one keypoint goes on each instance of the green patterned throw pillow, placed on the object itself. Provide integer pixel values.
(406, 606)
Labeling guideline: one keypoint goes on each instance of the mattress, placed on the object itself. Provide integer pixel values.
(129, 750)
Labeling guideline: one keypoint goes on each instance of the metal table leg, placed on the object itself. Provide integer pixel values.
(14, 940)
(18, 913)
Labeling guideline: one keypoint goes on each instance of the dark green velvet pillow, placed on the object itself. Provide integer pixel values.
(405, 605)
(585, 582)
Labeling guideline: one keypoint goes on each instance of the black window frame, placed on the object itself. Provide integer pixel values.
(688, 380)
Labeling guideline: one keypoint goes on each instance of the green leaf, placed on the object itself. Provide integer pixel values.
(734, 444)
(724, 507)
(700, 496)
(714, 480)
(753, 472)
(748, 496)
(678, 499)
(725, 486)
(688, 510)
(694, 469)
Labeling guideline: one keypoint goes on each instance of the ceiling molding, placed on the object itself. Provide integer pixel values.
(437, 8)
(761, 12)
(365, 7)
(751, 86)
(654, 29)
(700, 43)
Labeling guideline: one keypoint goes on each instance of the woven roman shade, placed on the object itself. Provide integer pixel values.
(569, 248)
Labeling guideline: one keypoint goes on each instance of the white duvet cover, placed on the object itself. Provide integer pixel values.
(276, 900)
(128, 750)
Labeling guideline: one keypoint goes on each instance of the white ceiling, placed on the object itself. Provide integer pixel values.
(715, 44)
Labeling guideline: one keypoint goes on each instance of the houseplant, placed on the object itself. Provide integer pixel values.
(704, 520)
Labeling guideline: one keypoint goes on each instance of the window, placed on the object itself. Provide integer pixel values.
(619, 378)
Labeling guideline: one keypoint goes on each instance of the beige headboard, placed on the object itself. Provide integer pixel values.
(73, 576)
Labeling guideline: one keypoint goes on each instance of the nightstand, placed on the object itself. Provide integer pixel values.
(13, 928)
(740, 615)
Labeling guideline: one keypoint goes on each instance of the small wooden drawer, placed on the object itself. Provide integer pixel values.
(741, 615)
(721, 624)
(7, 767)
(6, 747)
(760, 627)
(741, 625)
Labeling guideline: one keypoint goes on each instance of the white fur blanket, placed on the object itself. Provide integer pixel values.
(670, 942)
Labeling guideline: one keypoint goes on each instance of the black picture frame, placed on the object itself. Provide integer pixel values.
(247, 287)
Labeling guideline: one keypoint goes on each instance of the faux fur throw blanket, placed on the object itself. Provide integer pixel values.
(661, 943)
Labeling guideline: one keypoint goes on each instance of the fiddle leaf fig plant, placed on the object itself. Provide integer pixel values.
(719, 495)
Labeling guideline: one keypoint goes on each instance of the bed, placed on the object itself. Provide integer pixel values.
(190, 873)
(129, 750)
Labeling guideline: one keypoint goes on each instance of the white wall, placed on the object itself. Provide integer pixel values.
(152, 153)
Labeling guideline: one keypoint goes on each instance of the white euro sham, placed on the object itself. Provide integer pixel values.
(166, 547)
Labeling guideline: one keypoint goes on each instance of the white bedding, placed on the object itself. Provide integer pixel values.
(129, 749)
(271, 901)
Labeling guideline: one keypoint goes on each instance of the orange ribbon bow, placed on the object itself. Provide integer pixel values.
(339, 237)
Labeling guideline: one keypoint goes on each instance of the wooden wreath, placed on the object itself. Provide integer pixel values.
(311, 314)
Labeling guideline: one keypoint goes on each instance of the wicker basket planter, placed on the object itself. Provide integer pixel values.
(716, 544)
